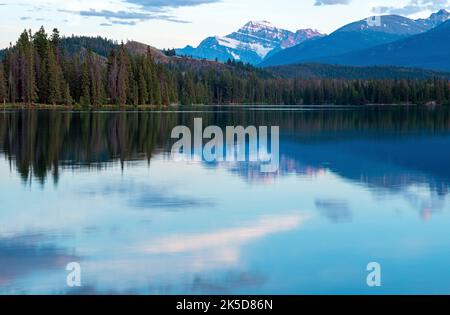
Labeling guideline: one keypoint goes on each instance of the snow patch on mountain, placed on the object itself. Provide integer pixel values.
(260, 49)
(228, 42)
(252, 43)
(235, 56)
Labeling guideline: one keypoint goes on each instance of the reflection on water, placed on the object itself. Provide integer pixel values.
(355, 185)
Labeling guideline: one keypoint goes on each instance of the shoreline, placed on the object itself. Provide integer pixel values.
(23, 106)
(9, 106)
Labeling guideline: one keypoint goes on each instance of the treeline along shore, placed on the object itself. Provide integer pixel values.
(41, 69)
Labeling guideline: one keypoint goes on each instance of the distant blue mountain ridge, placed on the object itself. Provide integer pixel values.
(389, 40)
(429, 50)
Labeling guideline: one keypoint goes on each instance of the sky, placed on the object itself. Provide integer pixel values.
(177, 23)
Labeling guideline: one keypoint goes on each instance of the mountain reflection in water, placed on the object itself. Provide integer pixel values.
(354, 185)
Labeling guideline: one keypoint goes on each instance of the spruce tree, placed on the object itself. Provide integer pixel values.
(123, 76)
(112, 73)
(3, 91)
(27, 73)
(142, 86)
(41, 45)
(85, 98)
(97, 90)
(156, 88)
(54, 79)
(67, 98)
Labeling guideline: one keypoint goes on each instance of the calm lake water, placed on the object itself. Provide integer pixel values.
(355, 185)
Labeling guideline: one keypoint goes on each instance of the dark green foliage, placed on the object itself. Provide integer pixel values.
(3, 90)
(53, 72)
(85, 98)
(23, 71)
(76, 44)
(41, 44)
(56, 86)
(169, 52)
(324, 71)
(119, 73)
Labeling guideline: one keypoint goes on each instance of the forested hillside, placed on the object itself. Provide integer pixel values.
(325, 71)
(49, 69)
(99, 45)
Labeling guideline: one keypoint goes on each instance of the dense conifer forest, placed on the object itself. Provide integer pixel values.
(50, 69)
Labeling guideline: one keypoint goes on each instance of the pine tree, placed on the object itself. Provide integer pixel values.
(3, 91)
(67, 98)
(112, 74)
(85, 98)
(123, 76)
(156, 88)
(55, 38)
(96, 79)
(27, 75)
(54, 79)
(55, 41)
(41, 45)
(149, 70)
(142, 85)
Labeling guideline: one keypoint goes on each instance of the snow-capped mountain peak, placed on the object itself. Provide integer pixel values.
(258, 25)
(262, 30)
(251, 43)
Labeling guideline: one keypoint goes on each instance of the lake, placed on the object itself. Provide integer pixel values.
(355, 185)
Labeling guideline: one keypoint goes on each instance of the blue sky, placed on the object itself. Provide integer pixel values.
(176, 23)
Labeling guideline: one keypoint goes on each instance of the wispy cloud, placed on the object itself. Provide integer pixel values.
(117, 15)
(331, 2)
(155, 4)
(124, 23)
(146, 10)
(413, 7)
(227, 238)
(125, 17)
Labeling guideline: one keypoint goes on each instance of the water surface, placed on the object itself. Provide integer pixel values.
(355, 185)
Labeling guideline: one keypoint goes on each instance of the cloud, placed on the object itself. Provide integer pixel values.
(123, 23)
(142, 196)
(131, 12)
(154, 4)
(149, 10)
(331, 2)
(24, 18)
(413, 7)
(125, 17)
(118, 15)
(227, 239)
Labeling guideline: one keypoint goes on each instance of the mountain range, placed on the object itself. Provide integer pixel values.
(386, 40)
(252, 43)
(357, 36)
(386, 48)
(430, 50)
